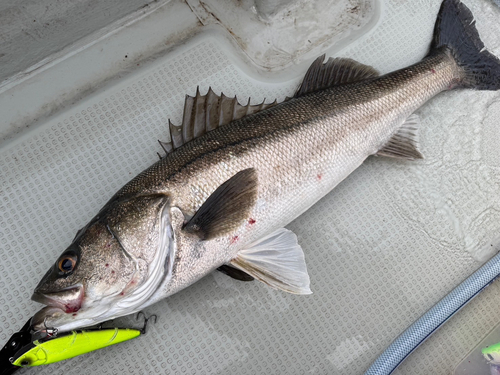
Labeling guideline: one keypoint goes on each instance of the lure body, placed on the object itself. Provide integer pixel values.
(75, 343)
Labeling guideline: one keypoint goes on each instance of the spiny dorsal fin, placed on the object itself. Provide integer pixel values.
(404, 144)
(203, 113)
(334, 72)
(226, 208)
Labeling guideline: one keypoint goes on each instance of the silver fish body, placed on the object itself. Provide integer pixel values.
(251, 177)
(300, 149)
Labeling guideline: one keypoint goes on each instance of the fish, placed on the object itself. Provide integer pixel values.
(235, 175)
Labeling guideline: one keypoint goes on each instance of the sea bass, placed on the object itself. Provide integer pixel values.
(235, 175)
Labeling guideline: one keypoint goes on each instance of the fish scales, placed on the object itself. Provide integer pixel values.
(373, 108)
(301, 150)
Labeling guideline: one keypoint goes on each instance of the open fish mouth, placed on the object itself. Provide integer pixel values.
(68, 300)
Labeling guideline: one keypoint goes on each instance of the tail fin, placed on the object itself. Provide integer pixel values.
(455, 30)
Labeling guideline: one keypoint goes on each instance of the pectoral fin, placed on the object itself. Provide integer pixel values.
(227, 207)
(278, 261)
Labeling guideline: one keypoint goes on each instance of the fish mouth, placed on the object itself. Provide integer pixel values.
(68, 300)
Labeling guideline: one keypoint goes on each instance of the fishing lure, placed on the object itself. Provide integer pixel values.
(16, 342)
(58, 347)
(492, 354)
(72, 344)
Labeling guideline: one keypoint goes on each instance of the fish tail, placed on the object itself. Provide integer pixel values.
(455, 31)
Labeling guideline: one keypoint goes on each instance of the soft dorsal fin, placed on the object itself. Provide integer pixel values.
(203, 113)
(227, 207)
(334, 72)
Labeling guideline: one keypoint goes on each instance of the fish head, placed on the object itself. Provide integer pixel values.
(90, 272)
(111, 269)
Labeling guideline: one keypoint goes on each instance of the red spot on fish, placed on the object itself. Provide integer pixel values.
(75, 314)
(122, 294)
(112, 271)
(433, 71)
(71, 309)
(251, 221)
(320, 176)
(107, 264)
(234, 239)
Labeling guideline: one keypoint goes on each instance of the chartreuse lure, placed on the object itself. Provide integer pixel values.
(492, 354)
(72, 344)
(58, 347)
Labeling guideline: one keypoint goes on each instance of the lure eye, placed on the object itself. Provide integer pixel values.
(67, 263)
(25, 362)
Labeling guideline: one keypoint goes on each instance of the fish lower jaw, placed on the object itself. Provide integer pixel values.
(69, 301)
(52, 317)
(68, 314)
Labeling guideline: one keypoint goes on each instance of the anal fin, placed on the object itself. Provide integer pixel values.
(278, 261)
(404, 144)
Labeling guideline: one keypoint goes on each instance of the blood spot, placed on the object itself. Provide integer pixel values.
(71, 309)
(107, 264)
(112, 271)
(251, 221)
(320, 176)
(234, 239)
(433, 71)
(75, 314)
(122, 294)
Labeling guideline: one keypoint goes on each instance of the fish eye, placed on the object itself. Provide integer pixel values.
(25, 362)
(67, 263)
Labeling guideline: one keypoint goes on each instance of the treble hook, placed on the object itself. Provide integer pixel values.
(146, 320)
(50, 331)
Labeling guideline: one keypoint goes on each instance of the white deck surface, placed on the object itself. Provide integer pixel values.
(381, 248)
